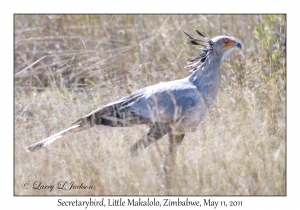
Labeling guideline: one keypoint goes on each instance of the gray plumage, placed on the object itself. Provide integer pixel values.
(173, 108)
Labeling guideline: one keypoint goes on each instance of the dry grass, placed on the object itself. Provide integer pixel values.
(239, 149)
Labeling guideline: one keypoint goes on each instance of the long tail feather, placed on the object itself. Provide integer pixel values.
(111, 115)
(38, 145)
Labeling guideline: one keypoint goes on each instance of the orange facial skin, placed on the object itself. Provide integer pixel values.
(228, 42)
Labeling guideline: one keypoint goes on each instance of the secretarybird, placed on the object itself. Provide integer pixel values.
(172, 108)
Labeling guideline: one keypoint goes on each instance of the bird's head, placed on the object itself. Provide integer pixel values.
(219, 45)
(223, 45)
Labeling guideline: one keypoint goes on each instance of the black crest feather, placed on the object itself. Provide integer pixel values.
(194, 62)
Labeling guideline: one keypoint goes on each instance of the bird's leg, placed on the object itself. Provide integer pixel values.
(156, 132)
(170, 158)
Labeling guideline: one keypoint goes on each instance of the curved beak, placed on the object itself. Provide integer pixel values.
(237, 44)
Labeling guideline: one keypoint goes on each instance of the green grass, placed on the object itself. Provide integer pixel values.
(91, 60)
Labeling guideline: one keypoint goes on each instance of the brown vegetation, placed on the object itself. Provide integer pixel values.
(86, 61)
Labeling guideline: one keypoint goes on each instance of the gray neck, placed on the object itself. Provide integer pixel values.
(207, 78)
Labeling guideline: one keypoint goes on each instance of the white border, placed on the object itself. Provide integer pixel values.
(154, 6)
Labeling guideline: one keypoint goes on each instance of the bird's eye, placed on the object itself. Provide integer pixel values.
(225, 41)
